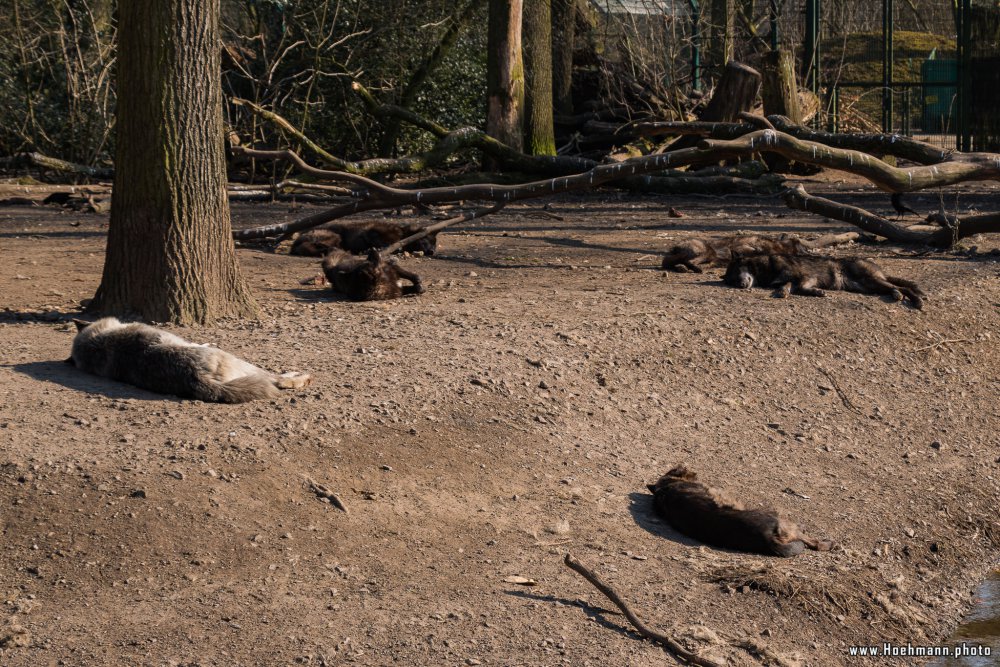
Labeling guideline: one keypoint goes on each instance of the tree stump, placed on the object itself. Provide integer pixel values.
(779, 92)
(736, 92)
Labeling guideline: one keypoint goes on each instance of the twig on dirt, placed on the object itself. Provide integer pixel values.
(542, 214)
(326, 494)
(640, 627)
(943, 341)
(840, 392)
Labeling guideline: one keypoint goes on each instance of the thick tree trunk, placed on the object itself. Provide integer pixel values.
(170, 256)
(539, 133)
(505, 74)
(563, 42)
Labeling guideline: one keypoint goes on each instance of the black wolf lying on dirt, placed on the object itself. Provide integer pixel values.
(167, 364)
(701, 513)
(811, 275)
(696, 254)
(359, 238)
(369, 279)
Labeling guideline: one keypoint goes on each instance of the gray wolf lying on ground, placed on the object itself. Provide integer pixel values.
(360, 237)
(697, 254)
(811, 275)
(159, 361)
(371, 279)
(701, 513)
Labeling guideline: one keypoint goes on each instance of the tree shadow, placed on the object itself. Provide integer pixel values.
(67, 375)
(43, 316)
(43, 235)
(644, 514)
(596, 614)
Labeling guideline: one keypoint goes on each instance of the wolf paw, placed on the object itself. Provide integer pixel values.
(293, 380)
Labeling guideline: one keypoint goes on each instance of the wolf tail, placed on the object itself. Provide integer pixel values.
(241, 390)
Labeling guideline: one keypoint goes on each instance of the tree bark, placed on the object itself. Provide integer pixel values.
(170, 255)
(539, 133)
(779, 91)
(563, 42)
(505, 74)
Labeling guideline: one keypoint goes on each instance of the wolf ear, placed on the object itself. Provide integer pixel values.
(374, 256)
(81, 324)
(736, 256)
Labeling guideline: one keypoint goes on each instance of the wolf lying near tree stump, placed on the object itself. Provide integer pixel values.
(703, 514)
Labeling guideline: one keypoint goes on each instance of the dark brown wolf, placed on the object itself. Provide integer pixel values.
(360, 237)
(811, 275)
(705, 515)
(696, 254)
(371, 279)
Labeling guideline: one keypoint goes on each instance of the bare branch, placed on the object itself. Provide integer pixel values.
(640, 627)
(438, 226)
(963, 166)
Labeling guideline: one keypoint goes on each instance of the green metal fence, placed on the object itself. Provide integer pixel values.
(924, 68)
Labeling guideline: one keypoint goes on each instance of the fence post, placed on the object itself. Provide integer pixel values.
(887, 65)
(963, 125)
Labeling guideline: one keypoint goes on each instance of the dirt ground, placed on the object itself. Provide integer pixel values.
(512, 413)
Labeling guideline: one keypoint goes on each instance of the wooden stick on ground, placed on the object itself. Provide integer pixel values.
(437, 226)
(639, 626)
(326, 494)
(840, 392)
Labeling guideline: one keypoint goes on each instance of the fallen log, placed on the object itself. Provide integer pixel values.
(950, 229)
(55, 164)
(960, 167)
(372, 195)
(874, 143)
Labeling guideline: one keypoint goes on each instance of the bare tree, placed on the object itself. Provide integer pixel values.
(563, 40)
(170, 256)
(505, 73)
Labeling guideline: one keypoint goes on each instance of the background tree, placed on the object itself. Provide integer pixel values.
(539, 133)
(505, 73)
(563, 41)
(170, 256)
(721, 17)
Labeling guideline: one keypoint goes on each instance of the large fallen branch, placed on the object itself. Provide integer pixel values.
(55, 164)
(873, 143)
(951, 228)
(372, 195)
(799, 199)
(960, 168)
